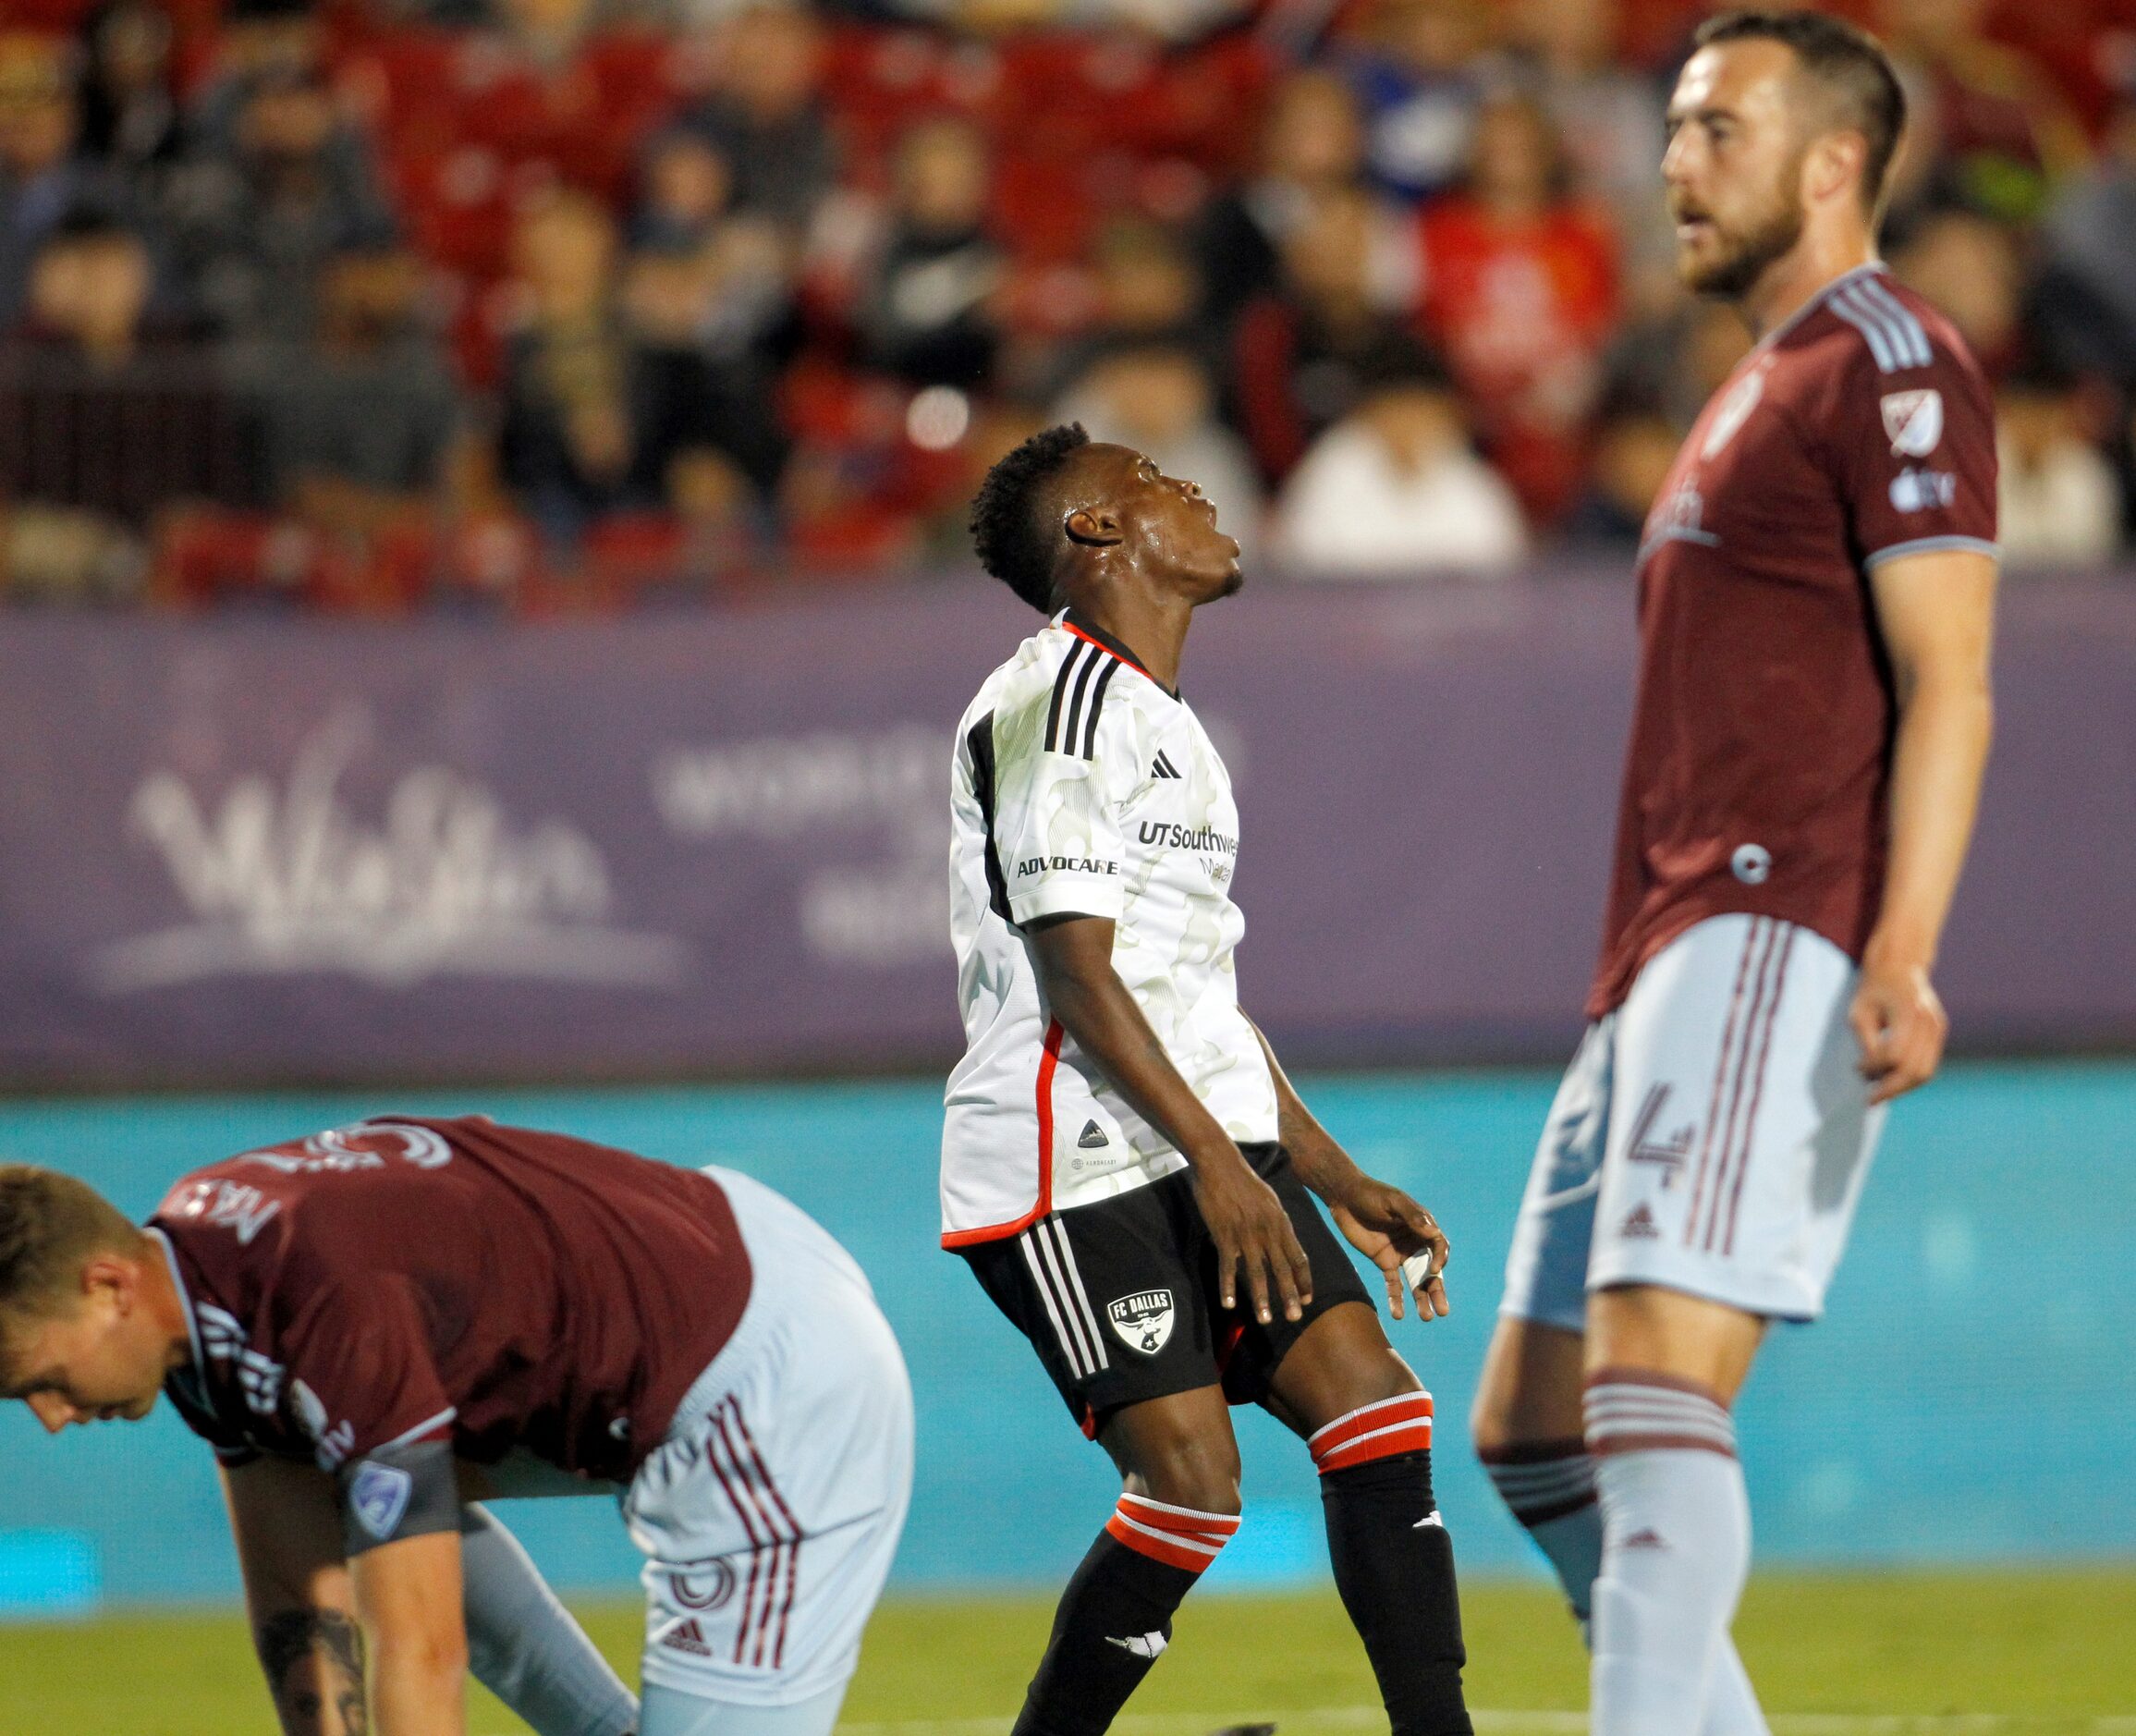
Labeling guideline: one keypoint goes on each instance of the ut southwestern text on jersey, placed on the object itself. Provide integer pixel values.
(1205, 839)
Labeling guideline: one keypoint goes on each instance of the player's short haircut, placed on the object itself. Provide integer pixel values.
(1848, 62)
(1012, 526)
(50, 1224)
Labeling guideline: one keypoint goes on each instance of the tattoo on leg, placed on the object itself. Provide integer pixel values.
(313, 1660)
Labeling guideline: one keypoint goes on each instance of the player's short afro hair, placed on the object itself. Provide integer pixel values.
(1013, 541)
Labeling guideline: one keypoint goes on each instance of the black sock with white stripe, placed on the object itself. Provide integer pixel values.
(1115, 1619)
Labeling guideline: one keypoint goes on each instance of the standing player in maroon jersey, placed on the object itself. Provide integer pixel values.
(1815, 592)
(380, 1326)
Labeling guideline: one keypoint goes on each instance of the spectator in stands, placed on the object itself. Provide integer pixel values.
(1395, 491)
(1635, 445)
(1147, 289)
(742, 262)
(2060, 502)
(1971, 267)
(1301, 356)
(1609, 118)
(1157, 397)
(129, 111)
(1672, 360)
(105, 422)
(1415, 69)
(363, 424)
(597, 420)
(2091, 236)
(1521, 299)
(256, 222)
(42, 175)
(1311, 142)
(765, 113)
(1986, 126)
(925, 312)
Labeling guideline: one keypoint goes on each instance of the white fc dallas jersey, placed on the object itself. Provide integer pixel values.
(1081, 787)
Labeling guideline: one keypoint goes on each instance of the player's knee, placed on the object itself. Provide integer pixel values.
(1185, 1470)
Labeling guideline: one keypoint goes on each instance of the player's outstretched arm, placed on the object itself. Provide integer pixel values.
(285, 1521)
(1381, 1221)
(1073, 957)
(1935, 611)
(409, 1595)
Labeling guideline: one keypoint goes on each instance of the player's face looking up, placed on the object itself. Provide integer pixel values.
(1750, 155)
(1120, 506)
(98, 1358)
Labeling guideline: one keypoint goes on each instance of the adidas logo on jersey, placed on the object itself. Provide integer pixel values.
(1163, 767)
(1141, 1644)
(1091, 1137)
(687, 1637)
(1640, 1225)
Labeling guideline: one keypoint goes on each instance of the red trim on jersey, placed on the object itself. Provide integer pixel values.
(1070, 627)
(1047, 1061)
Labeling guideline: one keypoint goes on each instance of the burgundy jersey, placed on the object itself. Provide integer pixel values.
(407, 1279)
(1761, 744)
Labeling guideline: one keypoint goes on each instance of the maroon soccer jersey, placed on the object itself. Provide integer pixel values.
(1761, 744)
(407, 1279)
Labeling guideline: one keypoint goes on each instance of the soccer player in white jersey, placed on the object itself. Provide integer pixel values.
(1124, 1164)
(1815, 596)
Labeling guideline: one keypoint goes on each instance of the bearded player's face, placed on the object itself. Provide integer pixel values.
(1734, 166)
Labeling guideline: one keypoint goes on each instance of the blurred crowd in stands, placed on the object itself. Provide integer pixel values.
(556, 303)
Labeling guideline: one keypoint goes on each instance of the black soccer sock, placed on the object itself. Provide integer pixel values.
(1116, 1617)
(1394, 1563)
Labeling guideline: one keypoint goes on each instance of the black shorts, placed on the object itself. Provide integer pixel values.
(1119, 1297)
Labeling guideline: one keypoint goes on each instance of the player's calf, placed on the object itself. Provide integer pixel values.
(1676, 1549)
(1115, 1619)
(1393, 1561)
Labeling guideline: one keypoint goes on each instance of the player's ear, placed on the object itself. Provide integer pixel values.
(1835, 164)
(1093, 527)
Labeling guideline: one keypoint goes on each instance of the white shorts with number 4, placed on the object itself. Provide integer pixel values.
(1712, 1134)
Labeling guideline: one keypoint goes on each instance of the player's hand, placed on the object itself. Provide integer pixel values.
(1900, 1024)
(1389, 1228)
(1250, 1229)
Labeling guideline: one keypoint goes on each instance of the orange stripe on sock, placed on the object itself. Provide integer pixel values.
(1401, 1425)
(1178, 1536)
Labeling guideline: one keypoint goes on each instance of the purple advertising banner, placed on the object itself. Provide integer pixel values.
(254, 848)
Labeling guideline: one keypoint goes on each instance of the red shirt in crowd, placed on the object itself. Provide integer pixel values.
(1522, 311)
(1761, 745)
(407, 1279)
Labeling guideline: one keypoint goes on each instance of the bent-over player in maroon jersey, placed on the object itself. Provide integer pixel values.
(1816, 588)
(381, 1325)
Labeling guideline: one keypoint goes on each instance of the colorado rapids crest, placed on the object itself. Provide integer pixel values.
(1143, 1320)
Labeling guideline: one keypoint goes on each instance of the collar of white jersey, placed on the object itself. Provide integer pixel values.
(1873, 268)
(1068, 621)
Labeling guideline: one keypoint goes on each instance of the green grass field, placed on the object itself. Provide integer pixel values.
(1833, 1656)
